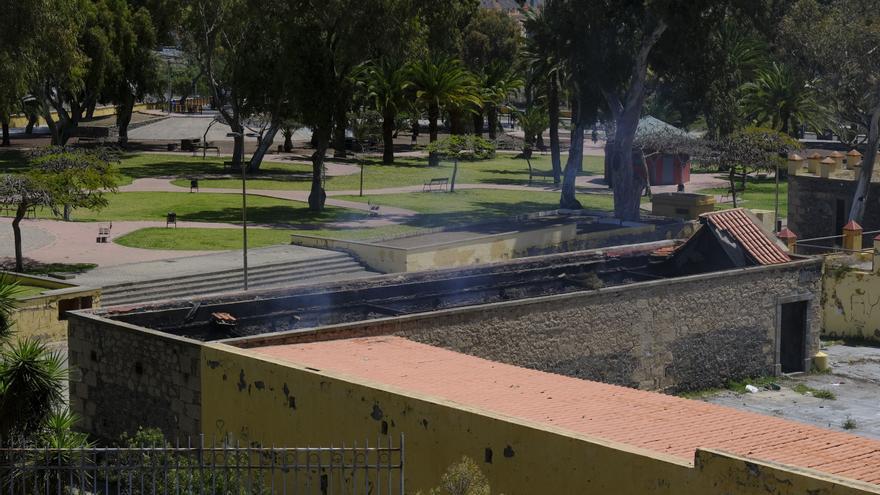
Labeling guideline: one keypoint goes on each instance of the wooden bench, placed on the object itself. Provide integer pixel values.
(540, 174)
(436, 184)
(374, 209)
(210, 145)
(739, 190)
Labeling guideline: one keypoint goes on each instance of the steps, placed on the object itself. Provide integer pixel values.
(335, 266)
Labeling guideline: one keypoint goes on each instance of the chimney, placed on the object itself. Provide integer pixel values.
(815, 159)
(852, 236)
(789, 238)
(853, 160)
(838, 160)
(826, 167)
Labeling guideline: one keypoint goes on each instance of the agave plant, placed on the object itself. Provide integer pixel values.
(8, 292)
(31, 386)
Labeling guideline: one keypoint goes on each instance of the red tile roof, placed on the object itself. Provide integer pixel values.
(742, 228)
(647, 420)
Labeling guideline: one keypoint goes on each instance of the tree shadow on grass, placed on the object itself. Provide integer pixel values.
(272, 215)
(13, 161)
(482, 211)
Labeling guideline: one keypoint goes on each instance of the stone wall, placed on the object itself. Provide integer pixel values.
(124, 377)
(676, 334)
(812, 203)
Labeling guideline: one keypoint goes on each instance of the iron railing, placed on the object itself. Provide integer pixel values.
(833, 244)
(226, 469)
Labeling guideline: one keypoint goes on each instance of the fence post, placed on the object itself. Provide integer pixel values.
(789, 238)
(852, 236)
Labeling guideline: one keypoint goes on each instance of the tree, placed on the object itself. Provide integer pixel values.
(498, 83)
(841, 47)
(444, 23)
(533, 121)
(136, 73)
(750, 150)
(783, 100)
(60, 180)
(17, 46)
(384, 82)
(441, 83)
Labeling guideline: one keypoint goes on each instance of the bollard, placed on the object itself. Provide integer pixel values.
(853, 159)
(838, 160)
(789, 238)
(852, 236)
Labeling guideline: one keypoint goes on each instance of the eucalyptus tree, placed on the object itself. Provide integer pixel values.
(18, 45)
(840, 48)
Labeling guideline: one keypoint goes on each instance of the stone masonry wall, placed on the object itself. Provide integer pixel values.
(812, 202)
(124, 377)
(681, 334)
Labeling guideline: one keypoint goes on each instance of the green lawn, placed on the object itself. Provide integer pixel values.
(207, 207)
(759, 194)
(438, 209)
(223, 239)
(28, 291)
(503, 169)
(139, 166)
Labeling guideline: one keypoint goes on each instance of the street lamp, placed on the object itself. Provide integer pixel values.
(243, 211)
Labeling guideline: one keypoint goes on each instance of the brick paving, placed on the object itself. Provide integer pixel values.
(648, 420)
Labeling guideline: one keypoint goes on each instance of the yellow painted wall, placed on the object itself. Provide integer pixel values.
(37, 316)
(850, 301)
(258, 399)
(22, 120)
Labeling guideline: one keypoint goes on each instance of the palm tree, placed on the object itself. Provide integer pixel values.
(780, 98)
(548, 74)
(385, 82)
(498, 84)
(439, 84)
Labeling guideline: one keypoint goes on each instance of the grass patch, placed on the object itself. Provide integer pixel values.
(503, 169)
(815, 392)
(207, 207)
(759, 194)
(140, 166)
(201, 239)
(32, 267)
(849, 424)
(466, 206)
(739, 386)
(24, 290)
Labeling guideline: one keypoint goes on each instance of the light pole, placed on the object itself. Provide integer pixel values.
(243, 212)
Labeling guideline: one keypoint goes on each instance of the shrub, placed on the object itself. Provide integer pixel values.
(467, 147)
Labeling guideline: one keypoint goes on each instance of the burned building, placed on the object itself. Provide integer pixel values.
(727, 304)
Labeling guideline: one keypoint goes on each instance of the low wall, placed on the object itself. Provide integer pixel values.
(18, 121)
(478, 249)
(850, 299)
(678, 334)
(258, 399)
(43, 316)
(126, 377)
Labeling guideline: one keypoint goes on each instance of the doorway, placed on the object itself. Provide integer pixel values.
(793, 337)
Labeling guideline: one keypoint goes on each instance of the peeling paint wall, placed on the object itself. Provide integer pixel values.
(850, 302)
(257, 399)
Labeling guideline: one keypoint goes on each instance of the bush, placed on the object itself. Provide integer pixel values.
(467, 148)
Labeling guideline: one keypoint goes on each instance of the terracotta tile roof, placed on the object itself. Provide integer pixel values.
(742, 228)
(647, 420)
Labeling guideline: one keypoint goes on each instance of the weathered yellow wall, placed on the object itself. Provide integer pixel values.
(257, 399)
(850, 300)
(22, 120)
(37, 316)
(385, 259)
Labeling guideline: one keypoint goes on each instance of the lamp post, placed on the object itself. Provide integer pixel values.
(243, 213)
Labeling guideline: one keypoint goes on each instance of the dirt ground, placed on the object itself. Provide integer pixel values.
(854, 379)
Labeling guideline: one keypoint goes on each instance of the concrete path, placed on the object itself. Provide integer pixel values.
(197, 264)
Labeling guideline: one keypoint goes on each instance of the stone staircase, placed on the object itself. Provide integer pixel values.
(336, 266)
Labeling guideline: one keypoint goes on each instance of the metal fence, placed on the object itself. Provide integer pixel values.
(833, 244)
(369, 468)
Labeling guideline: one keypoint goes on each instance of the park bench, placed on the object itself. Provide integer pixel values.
(103, 234)
(436, 184)
(171, 219)
(730, 190)
(194, 185)
(540, 174)
(207, 145)
(190, 144)
(374, 208)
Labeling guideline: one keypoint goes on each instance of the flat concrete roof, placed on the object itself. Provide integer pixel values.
(656, 422)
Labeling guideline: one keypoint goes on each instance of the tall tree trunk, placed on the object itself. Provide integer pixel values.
(123, 117)
(455, 117)
(433, 116)
(16, 234)
(388, 137)
(732, 179)
(53, 126)
(860, 198)
(341, 124)
(572, 167)
(492, 117)
(263, 148)
(317, 195)
(627, 190)
(5, 125)
(91, 103)
(478, 123)
(32, 121)
(555, 156)
(288, 141)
